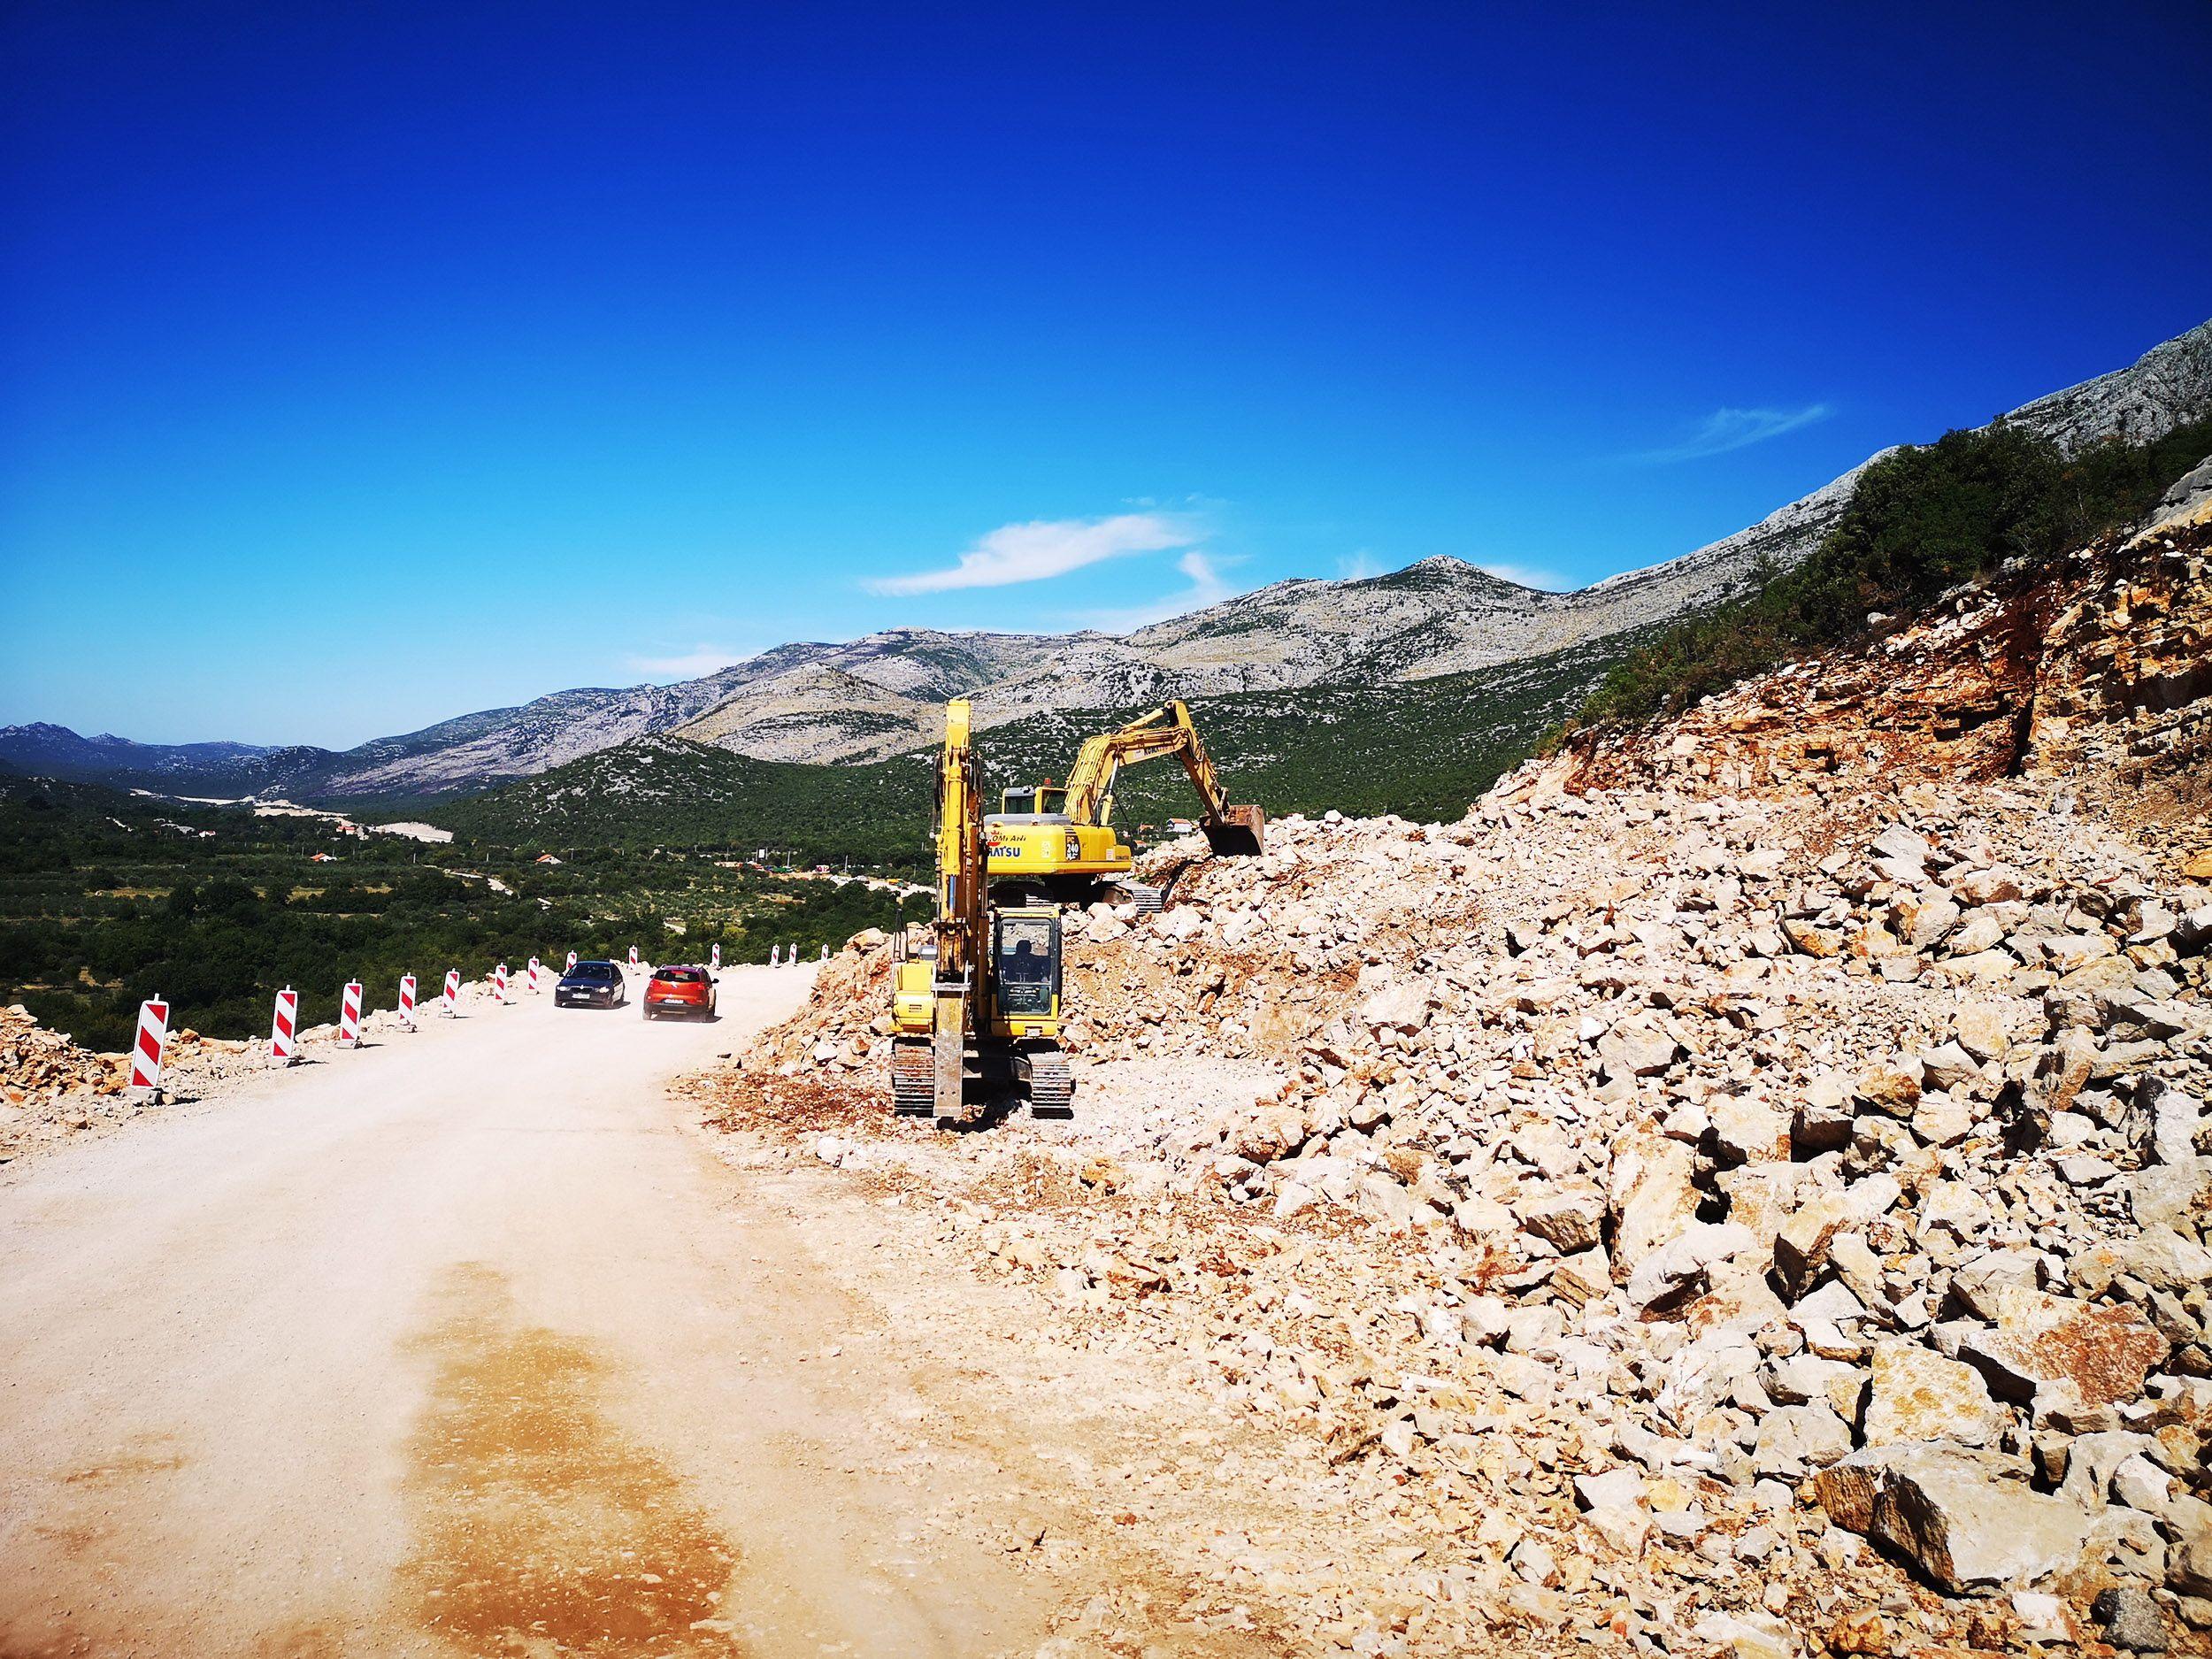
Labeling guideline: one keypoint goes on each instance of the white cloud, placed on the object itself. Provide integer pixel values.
(1726, 429)
(1359, 567)
(1529, 576)
(1045, 548)
(700, 659)
(1207, 588)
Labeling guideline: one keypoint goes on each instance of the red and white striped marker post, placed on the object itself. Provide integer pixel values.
(153, 1037)
(449, 1005)
(284, 1033)
(714, 956)
(499, 982)
(533, 976)
(407, 1001)
(633, 956)
(350, 1015)
(572, 963)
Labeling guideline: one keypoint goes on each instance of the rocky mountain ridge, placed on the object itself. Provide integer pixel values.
(1426, 746)
(877, 696)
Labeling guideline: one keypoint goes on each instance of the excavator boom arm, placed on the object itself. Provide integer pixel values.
(1167, 729)
(961, 897)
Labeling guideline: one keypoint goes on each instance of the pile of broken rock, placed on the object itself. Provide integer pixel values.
(1884, 1165)
(1840, 1153)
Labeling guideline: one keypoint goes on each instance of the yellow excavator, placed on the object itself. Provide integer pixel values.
(1057, 842)
(975, 998)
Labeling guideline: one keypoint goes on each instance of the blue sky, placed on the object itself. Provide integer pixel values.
(362, 364)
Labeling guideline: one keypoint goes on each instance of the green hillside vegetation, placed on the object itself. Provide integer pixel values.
(1922, 521)
(107, 898)
(1425, 749)
(670, 792)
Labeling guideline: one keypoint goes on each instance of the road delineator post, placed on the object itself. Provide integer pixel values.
(533, 976)
(284, 1030)
(151, 1044)
(407, 1001)
(499, 983)
(350, 1015)
(572, 963)
(449, 1005)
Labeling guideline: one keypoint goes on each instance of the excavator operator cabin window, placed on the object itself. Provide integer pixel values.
(1028, 963)
(1033, 803)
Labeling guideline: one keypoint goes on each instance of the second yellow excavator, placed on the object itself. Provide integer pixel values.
(1057, 841)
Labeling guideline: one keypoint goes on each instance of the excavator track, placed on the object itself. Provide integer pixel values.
(913, 1080)
(1051, 1085)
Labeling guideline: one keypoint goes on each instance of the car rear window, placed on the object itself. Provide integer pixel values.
(679, 976)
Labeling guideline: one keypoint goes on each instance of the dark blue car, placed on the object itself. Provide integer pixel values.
(592, 985)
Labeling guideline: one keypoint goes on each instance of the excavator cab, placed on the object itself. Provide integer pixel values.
(1025, 952)
(1041, 800)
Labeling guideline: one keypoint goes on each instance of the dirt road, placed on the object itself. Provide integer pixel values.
(464, 1343)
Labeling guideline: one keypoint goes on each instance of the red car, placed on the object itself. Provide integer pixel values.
(680, 991)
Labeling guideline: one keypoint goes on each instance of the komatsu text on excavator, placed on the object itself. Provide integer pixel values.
(1057, 842)
(975, 993)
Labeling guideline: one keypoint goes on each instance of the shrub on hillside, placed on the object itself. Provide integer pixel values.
(1922, 521)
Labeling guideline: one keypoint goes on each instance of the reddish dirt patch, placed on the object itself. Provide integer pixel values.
(800, 1105)
(129, 1465)
(539, 1527)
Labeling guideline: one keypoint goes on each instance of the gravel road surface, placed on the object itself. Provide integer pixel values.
(463, 1343)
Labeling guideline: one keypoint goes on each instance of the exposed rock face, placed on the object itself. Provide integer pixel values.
(2138, 401)
(38, 1064)
(2104, 674)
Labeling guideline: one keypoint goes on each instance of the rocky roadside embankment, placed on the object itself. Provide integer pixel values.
(1742, 1191)
(51, 1091)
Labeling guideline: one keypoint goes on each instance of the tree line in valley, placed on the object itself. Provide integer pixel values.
(106, 898)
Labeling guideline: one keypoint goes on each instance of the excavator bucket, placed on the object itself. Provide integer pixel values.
(1239, 833)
